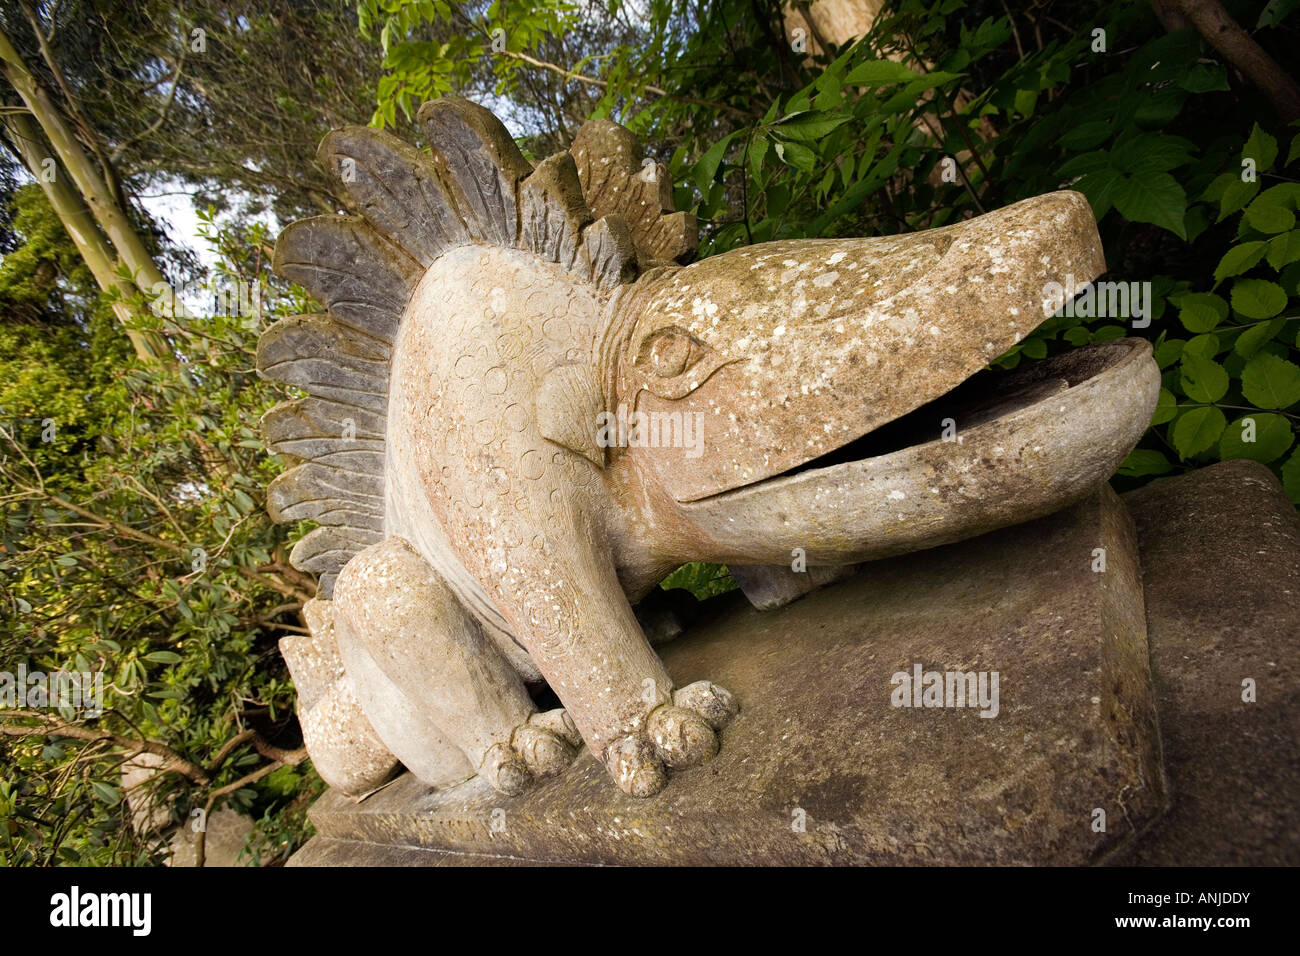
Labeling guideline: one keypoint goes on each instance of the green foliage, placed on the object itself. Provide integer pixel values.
(432, 48)
(701, 579)
(1231, 353)
(134, 544)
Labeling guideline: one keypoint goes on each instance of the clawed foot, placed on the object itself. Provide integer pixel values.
(678, 735)
(542, 747)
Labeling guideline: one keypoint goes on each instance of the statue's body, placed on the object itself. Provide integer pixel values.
(487, 522)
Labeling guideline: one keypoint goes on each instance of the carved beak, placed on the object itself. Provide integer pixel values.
(830, 386)
(785, 351)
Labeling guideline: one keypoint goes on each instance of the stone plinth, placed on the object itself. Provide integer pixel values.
(1221, 554)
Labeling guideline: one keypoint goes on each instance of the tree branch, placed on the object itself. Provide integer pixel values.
(87, 131)
(1238, 48)
(592, 81)
(53, 727)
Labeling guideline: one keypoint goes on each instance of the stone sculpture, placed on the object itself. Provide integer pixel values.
(523, 410)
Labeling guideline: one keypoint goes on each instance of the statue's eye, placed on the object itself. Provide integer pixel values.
(670, 352)
(672, 363)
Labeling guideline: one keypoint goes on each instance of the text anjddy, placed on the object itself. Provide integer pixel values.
(1222, 898)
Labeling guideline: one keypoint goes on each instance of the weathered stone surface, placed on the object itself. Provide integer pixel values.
(772, 586)
(617, 181)
(552, 213)
(1221, 559)
(806, 345)
(322, 851)
(149, 814)
(344, 747)
(397, 188)
(817, 732)
(223, 844)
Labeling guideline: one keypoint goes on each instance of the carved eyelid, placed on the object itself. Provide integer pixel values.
(701, 362)
(646, 355)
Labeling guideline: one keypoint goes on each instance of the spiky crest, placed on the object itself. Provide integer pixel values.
(475, 188)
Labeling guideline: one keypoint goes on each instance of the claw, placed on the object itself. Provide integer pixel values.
(635, 767)
(559, 723)
(682, 737)
(505, 770)
(545, 753)
(713, 703)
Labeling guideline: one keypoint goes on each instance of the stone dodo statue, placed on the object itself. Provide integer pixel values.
(522, 411)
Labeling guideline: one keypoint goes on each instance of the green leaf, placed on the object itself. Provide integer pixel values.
(1235, 195)
(1249, 342)
(701, 579)
(1166, 407)
(1108, 333)
(929, 81)
(1085, 136)
(1034, 348)
(1144, 461)
(1239, 258)
(1201, 311)
(1151, 153)
(1158, 108)
(1169, 352)
(1269, 216)
(1284, 249)
(1025, 101)
(106, 793)
(163, 657)
(1274, 12)
(1271, 433)
(1262, 148)
(1085, 163)
(1099, 188)
(1258, 298)
(1290, 279)
(1206, 345)
(810, 126)
(1271, 382)
(707, 168)
(1196, 430)
(1203, 379)
(1152, 197)
(879, 73)
(1204, 78)
(800, 157)
(1214, 191)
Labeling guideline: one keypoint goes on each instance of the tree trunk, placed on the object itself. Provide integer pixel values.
(26, 138)
(94, 190)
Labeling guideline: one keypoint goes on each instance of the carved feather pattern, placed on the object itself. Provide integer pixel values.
(397, 189)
